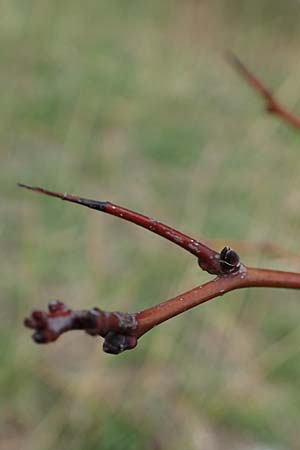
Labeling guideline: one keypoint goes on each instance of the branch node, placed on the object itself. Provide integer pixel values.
(118, 329)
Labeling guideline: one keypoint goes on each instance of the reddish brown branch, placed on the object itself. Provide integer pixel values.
(273, 106)
(208, 259)
(121, 331)
(245, 277)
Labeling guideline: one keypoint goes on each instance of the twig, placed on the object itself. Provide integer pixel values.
(273, 106)
(208, 259)
(121, 331)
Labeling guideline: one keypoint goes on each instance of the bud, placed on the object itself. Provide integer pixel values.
(229, 260)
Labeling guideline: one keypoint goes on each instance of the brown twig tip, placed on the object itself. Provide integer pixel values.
(272, 104)
(114, 327)
(249, 76)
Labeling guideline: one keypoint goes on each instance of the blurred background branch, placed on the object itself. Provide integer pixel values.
(272, 104)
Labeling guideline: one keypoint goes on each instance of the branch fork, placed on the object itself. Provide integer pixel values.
(121, 331)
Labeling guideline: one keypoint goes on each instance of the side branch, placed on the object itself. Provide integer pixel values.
(272, 104)
(208, 259)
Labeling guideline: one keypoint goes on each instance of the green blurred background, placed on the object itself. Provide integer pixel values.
(134, 102)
